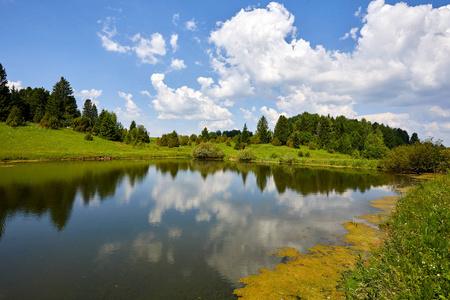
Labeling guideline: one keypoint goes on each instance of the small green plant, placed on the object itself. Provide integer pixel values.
(308, 154)
(88, 137)
(207, 151)
(300, 154)
(15, 118)
(288, 157)
(312, 145)
(246, 155)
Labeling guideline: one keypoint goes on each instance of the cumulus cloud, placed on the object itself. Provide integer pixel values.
(148, 49)
(191, 25)
(400, 59)
(185, 103)
(248, 115)
(177, 64)
(351, 34)
(132, 111)
(92, 94)
(17, 85)
(175, 19)
(174, 42)
(271, 114)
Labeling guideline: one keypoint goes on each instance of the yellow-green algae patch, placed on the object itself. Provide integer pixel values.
(316, 274)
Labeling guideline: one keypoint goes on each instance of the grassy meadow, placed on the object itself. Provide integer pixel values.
(32, 142)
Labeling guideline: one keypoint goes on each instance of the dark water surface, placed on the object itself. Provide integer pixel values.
(165, 229)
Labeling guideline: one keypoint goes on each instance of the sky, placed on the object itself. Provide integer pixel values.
(185, 65)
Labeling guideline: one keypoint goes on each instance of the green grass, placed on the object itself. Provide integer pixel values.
(414, 263)
(35, 143)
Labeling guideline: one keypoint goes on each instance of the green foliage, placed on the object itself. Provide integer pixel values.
(312, 145)
(205, 134)
(282, 130)
(207, 151)
(137, 135)
(62, 104)
(374, 147)
(308, 154)
(276, 142)
(81, 124)
(245, 136)
(51, 122)
(300, 154)
(88, 137)
(90, 111)
(414, 139)
(246, 155)
(262, 130)
(15, 118)
(107, 126)
(414, 263)
(288, 157)
(356, 154)
(418, 158)
(274, 155)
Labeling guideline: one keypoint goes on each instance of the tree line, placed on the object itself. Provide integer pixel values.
(58, 109)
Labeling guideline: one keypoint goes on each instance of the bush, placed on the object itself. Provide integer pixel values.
(207, 151)
(418, 158)
(288, 157)
(81, 124)
(300, 154)
(356, 154)
(276, 142)
(246, 155)
(15, 118)
(88, 137)
(312, 145)
(308, 154)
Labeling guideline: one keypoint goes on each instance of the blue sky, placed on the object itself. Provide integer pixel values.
(182, 65)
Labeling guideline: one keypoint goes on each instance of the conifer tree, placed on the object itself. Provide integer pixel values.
(282, 130)
(263, 130)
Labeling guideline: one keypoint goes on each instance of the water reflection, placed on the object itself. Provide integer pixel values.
(171, 228)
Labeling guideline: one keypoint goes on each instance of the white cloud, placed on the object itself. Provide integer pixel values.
(271, 115)
(227, 103)
(400, 59)
(177, 64)
(132, 111)
(351, 34)
(16, 84)
(205, 82)
(92, 94)
(148, 49)
(185, 103)
(191, 25)
(146, 93)
(175, 19)
(358, 12)
(248, 115)
(174, 42)
(108, 32)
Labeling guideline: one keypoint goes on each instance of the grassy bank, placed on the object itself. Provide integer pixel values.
(414, 262)
(35, 143)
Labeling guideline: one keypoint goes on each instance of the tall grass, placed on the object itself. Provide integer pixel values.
(415, 260)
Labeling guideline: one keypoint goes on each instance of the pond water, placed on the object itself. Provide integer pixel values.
(165, 229)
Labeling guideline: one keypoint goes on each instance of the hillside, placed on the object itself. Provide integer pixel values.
(35, 143)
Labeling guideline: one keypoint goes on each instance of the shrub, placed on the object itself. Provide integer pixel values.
(276, 142)
(312, 145)
(300, 154)
(331, 151)
(356, 154)
(288, 157)
(308, 154)
(88, 137)
(207, 151)
(15, 118)
(81, 124)
(246, 155)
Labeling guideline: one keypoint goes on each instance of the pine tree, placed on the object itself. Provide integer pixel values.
(263, 130)
(63, 104)
(4, 95)
(282, 130)
(245, 136)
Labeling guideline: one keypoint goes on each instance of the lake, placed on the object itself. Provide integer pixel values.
(165, 229)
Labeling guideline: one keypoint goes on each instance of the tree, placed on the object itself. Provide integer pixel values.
(374, 147)
(15, 118)
(132, 125)
(62, 103)
(282, 130)
(90, 111)
(263, 130)
(245, 136)
(414, 139)
(4, 95)
(205, 134)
